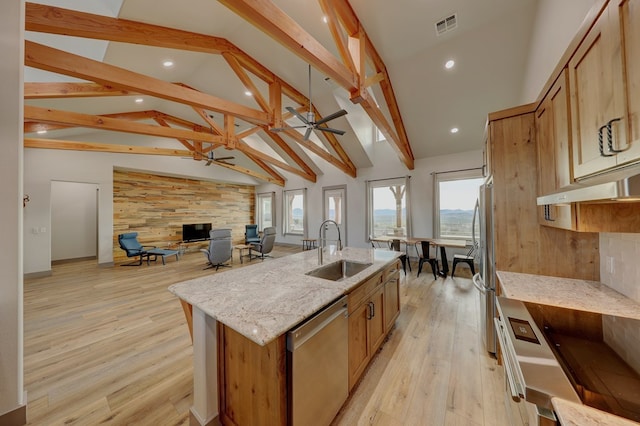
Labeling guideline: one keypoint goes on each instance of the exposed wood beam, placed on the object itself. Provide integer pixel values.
(184, 142)
(338, 35)
(352, 26)
(58, 61)
(320, 152)
(291, 153)
(55, 20)
(128, 149)
(246, 81)
(264, 166)
(337, 148)
(245, 148)
(265, 15)
(105, 123)
(70, 90)
(102, 147)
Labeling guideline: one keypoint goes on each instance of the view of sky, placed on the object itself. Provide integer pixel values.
(459, 194)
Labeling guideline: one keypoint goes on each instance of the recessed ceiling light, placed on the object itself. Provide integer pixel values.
(454, 130)
(325, 19)
(139, 100)
(167, 64)
(248, 93)
(449, 64)
(41, 132)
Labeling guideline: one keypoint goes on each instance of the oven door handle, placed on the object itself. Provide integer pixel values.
(508, 368)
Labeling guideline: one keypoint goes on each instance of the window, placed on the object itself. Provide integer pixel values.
(388, 207)
(265, 210)
(455, 196)
(295, 212)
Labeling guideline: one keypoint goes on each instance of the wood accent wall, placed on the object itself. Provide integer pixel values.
(156, 206)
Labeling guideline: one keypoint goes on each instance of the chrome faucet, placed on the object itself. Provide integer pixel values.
(321, 240)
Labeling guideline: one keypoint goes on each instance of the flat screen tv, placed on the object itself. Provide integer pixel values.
(196, 231)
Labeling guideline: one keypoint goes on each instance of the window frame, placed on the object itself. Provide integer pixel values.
(259, 211)
(287, 214)
(467, 174)
(381, 183)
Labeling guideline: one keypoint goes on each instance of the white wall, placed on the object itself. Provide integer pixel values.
(387, 166)
(555, 25)
(42, 166)
(11, 118)
(74, 220)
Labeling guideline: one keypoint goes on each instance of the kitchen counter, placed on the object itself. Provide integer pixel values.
(260, 302)
(581, 295)
(265, 300)
(572, 414)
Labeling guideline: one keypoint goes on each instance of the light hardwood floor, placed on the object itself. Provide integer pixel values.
(111, 346)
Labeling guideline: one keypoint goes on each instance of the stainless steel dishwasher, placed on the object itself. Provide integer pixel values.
(317, 360)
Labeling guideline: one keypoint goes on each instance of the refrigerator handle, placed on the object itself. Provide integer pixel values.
(480, 286)
(476, 212)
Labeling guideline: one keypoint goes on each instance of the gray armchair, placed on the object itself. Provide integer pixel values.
(265, 245)
(220, 248)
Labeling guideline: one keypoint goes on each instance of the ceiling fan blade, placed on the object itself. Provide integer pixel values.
(332, 116)
(224, 158)
(297, 114)
(307, 133)
(330, 130)
(209, 162)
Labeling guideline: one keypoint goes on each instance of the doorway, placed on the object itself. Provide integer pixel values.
(334, 207)
(74, 221)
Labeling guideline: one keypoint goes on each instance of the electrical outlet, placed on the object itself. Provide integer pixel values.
(610, 265)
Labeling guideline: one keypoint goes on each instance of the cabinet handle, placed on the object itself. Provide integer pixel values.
(373, 310)
(600, 143)
(547, 213)
(369, 313)
(610, 135)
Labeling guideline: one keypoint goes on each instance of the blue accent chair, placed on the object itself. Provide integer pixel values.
(129, 243)
(251, 234)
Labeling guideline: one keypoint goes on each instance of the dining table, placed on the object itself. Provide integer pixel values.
(441, 243)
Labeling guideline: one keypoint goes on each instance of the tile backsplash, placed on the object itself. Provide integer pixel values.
(620, 270)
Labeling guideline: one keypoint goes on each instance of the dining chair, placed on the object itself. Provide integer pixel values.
(425, 256)
(395, 246)
(468, 258)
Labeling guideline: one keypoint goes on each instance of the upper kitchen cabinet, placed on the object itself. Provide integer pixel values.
(604, 78)
(553, 137)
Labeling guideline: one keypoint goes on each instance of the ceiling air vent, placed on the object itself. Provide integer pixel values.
(447, 24)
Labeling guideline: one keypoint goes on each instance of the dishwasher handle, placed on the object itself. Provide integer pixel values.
(299, 335)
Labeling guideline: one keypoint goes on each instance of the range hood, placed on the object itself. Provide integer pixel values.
(620, 185)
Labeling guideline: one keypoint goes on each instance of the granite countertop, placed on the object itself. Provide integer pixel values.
(265, 300)
(581, 295)
(573, 414)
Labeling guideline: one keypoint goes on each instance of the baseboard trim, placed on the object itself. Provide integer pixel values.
(17, 417)
(39, 274)
(193, 420)
(72, 260)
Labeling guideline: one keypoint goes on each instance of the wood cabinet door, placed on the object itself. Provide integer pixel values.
(553, 137)
(376, 321)
(359, 342)
(628, 12)
(391, 302)
(597, 96)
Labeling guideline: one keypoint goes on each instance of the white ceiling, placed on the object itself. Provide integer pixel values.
(489, 46)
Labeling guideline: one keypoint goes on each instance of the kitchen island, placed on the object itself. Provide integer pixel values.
(241, 316)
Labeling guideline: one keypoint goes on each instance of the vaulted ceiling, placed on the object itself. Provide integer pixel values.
(88, 61)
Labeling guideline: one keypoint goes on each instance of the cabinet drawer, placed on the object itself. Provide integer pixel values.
(358, 295)
(392, 270)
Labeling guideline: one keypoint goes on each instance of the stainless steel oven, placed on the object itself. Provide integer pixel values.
(533, 375)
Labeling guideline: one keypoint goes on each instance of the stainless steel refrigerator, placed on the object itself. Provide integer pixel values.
(485, 280)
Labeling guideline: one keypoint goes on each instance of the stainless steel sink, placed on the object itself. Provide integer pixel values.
(339, 270)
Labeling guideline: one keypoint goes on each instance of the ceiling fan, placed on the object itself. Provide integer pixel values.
(310, 122)
(212, 158)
